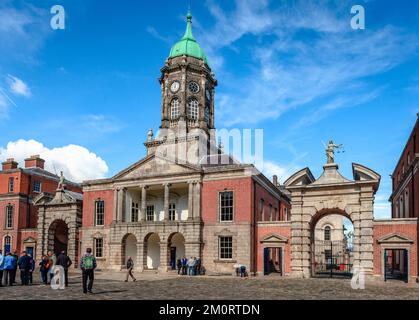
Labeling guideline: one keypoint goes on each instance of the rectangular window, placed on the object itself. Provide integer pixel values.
(226, 248)
(9, 217)
(11, 184)
(172, 212)
(262, 210)
(99, 247)
(99, 213)
(226, 206)
(37, 186)
(150, 213)
(408, 159)
(276, 217)
(134, 212)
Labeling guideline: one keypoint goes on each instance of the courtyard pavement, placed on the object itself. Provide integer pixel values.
(111, 286)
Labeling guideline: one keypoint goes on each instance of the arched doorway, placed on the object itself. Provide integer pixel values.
(332, 250)
(152, 251)
(176, 246)
(129, 248)
(58, 236)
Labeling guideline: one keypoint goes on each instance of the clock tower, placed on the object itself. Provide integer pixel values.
(188, 86)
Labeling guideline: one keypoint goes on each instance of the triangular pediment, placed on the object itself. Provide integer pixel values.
(153, 166)
(394, 238)
(301, 178)
(274, 238)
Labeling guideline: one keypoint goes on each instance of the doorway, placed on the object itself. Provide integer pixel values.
(396, 264)
(272, 261)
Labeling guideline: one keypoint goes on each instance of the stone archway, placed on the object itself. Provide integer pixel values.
(152, 251)
(311, 199)
(58, 235)
(176, 248)
(129, 248)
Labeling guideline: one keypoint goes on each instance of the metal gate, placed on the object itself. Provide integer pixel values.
(332, 259)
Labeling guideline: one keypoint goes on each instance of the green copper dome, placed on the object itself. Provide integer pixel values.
(188, 45)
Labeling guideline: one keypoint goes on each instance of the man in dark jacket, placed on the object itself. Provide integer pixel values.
(24, 264)
(64, 261)
(130, 267)
(88, 266)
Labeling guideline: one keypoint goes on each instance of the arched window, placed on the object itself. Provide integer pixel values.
(327, 233)
(9, 217)
(193, 109)
(406, 204)
(174, 109)
(207, 114)
(7, 244)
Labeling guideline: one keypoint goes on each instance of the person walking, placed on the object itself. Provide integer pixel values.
(24, 267)
(198, 266)
(64, 261)
(44, 268)
(130, 267)
(52, 262)
(1, 268)
(88, 266)
(9, 265)
(31, 269)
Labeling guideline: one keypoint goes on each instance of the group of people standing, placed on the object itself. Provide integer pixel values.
(192, 266)
(9, 264)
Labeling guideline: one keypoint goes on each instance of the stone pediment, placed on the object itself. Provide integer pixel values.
(43, 198)
(274, 238)
(330, 175)
(155, 166)
(394, 238)
(300, 178)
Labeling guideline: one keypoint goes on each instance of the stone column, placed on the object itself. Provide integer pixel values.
(197, 201)
(190, 201)
(143, 203)
(139, 264)
(366, 233)
(166, 201)
(120, 205)
(115, 206)
(164, 257)
(296, 238)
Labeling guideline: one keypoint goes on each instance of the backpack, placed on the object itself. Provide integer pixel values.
(88, 262)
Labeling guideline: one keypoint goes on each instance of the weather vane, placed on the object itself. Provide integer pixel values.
(330, 150)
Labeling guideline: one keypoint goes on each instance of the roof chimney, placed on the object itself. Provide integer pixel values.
(9, 164)
(275, 180)
(34, 161)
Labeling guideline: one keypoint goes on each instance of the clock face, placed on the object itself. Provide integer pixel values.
(208, 94)
(193, 87)
(175, 86)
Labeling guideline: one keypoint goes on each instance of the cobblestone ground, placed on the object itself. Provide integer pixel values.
(149, 286)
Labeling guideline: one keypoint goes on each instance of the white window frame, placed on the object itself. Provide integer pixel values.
(96, 240)
(220, 207)
(101, 213)
(148, 211)
(37, 189)
(8, 224)
(175, 108)
(193, 109)
(219, 247)
(135, 209)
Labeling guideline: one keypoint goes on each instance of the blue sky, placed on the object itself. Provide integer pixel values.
(84, 97)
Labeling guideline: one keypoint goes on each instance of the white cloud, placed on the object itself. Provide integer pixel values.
(312, 56)
(77, 162)
(18, 86)
(271, 168)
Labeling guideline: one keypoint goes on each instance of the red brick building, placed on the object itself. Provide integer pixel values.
(404, 198)
(18, 214)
